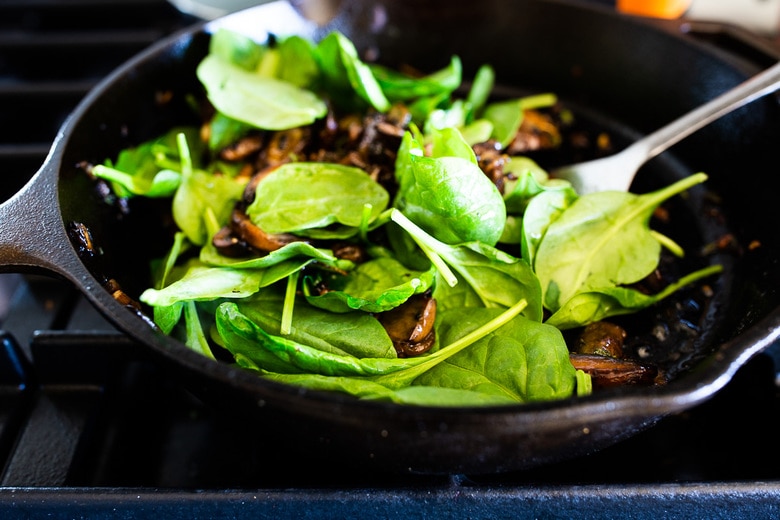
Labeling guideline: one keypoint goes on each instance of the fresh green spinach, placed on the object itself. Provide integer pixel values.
(303, 316)
(377, 285)
(261, 101)
(602, 240)
(309, 198)
(449, 196)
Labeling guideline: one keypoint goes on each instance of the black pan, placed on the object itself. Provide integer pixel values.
(630, 75)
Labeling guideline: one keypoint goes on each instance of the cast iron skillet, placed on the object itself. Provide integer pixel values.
(634, 75)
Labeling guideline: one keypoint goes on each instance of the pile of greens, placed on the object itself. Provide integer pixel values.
(508, 271)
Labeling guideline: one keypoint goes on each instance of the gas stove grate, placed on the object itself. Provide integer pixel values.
(51, 54)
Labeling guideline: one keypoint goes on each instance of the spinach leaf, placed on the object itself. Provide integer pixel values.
(261, 101)
(224, 131)
(151, 169)
(449, 197)
(481, 88)
(231, 322)
(507, 116)
(204, 283)
(453, 116)
(598, 304)
(477, 131)
(441, 111)
(458, 296)
(411, 395)
(497, 278)
(449, 142)
(524, 360)
(168, 316)
(303, 198)
(602, 240)
(394, 373)
(528, 179)
(398, 86)
(163, 184)
(512, 233)
(195, 338)
(199, 194)
(240, 340)
(298, 63)
(345, 75)
(377, 285)
(357, 333)
(401, 378)
(543, 209)
(210, 256)
(236, 48)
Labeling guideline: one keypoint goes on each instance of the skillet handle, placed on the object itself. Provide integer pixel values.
(32, 235)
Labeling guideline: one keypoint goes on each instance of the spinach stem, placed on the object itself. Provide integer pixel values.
(439, 264)
(405, 376)
(195, 337)
(668, 243)
(171, 258)
(482, 331)
(538, 101)
(427, 243)
(365, 220)
(184, 154)
(289, 303)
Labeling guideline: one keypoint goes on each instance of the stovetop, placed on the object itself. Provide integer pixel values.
(92, 427)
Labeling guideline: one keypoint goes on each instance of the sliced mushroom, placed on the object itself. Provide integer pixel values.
(602, 339)
(410, 325)
(412, 349)
(228, 244)
(245, 230)
(119, 295)
(609, 372)
(242, 148)
(491, 161)
(286, 146)
(249, 190)
(537, 132)
(355, 253)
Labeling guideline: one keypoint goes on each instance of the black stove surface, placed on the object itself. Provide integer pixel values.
(92, 427)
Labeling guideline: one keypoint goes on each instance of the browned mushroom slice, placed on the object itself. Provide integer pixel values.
(410, 325)
(245, 230)
(412, 349)
(119, 295)
(242, 148)
(249, 190)
(491, 161)
(228, 244)
(603, 339)
(286, 146)
(608, 372)
(382, 133)
(355, 253)
(537, 132)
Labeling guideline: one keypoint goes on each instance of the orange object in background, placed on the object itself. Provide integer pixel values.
(654, 8)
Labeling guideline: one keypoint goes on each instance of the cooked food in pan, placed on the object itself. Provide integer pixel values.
(388, 233)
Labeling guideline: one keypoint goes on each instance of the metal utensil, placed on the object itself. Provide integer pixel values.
(616, 172)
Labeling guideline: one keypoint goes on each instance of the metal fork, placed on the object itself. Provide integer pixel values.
(616, 172)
